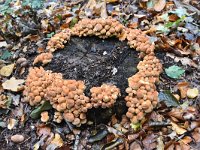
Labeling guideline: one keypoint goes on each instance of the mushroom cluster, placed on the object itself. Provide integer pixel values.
(3, 101)
(44, 58)
(65, 95)
(142, 95)
(36, 84)
(68, 95)
(139, 40)
(58, 117)
(150, 67)
(58, 40)
(104, 96)
(102, 28)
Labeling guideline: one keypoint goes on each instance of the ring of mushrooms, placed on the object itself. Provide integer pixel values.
(68, 96)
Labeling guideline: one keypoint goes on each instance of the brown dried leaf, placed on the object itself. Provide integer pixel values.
(43, 130)
(112, 1)
(196, 135)
(177, 113)
(159, 5)
(186, 140)
(178, 129)
(183, 87)
(150, 142)
(57, 142)
(135, 146)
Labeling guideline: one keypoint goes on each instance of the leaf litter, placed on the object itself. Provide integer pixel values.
(173, 26)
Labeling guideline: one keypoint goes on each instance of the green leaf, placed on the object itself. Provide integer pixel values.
(35, 114)
(180, 12)
(50, 34)
(174, 24)
(174, 71)
(73, 22)
(6, 54)
(59, 16)
(168, 98)
(136, 126)
(35, 4)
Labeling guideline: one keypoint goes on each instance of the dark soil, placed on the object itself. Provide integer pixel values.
(94, 60)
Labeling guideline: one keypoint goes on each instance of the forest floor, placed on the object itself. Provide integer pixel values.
(174, 27)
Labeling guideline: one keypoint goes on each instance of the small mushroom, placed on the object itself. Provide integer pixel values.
(44, 116)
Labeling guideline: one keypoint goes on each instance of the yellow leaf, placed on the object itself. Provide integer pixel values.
(192, 93)
(58, 141)
(177, 129)
(111, 1)
(11, 123)
(13, 84)
(7, 70)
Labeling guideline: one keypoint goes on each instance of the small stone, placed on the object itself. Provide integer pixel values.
(17, 138)
(192, 93)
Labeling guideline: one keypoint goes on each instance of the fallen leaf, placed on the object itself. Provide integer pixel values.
(40, 142)
(184, 146)
(196, 134)
(178, 129)
(43, 130)
(11, 123)
(192, 93)
(159, 5)
(136, 126)
(13, 84)
(3, 44)
(57, 142)
(35, 114)
(184, 60)
(183, 87)
(5, 55)
(168, 98)
(177, 113)
(160, 145)
(112, 1)
(113, 144)
(7, 70)
(174, 71)
(135, 146)
(180, 12)
(149, 142)
(2, 124)
(186, 140)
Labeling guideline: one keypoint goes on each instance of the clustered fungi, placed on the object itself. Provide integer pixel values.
(104, 96)
(103, 28)
(64, 95)
(138, 40)
(58, 40)
(142, 95)
(44, 58)
(57, 117)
